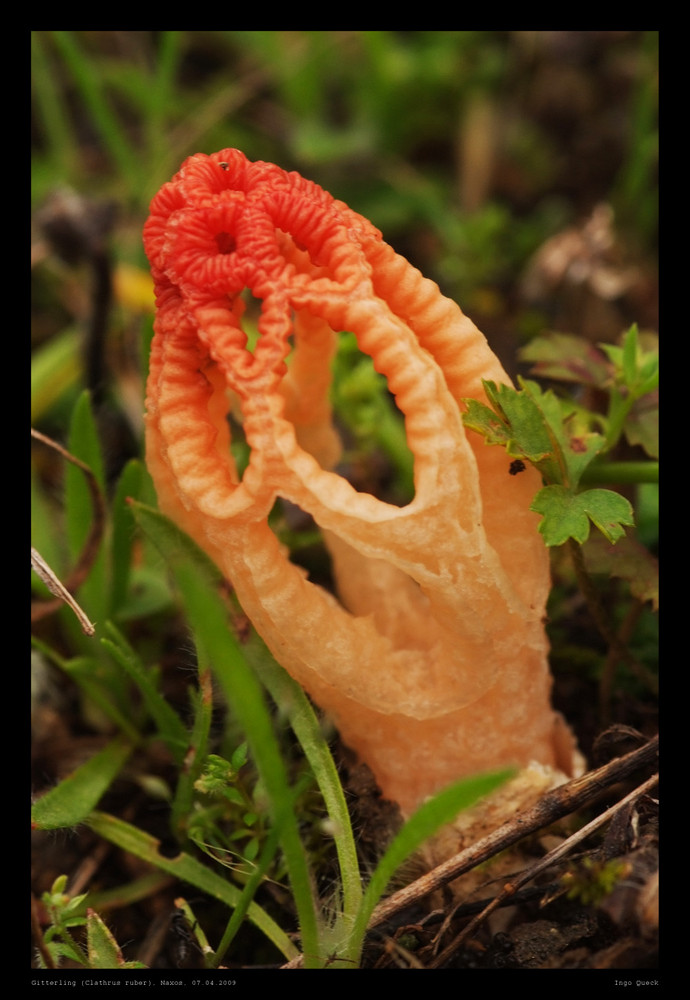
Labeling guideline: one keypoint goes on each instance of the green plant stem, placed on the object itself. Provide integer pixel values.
(37, 932)
(607, 674)
(617, 649)
(621, 472)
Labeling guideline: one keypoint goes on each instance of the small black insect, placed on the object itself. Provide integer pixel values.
(185, 942)
(516, 466)
(224, 165)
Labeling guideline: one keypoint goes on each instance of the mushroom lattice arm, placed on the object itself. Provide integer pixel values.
(433, 661)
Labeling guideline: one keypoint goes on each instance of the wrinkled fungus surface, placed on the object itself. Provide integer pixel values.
(433, 659)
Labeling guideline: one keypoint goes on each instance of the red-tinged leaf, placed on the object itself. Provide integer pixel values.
(642, 425)
(628, 560)
(568, 358)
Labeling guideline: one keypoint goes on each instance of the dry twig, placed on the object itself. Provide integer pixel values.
(510, 888)
(551, 807)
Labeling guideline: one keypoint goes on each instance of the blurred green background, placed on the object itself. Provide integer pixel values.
(518, 169)
(468, 149)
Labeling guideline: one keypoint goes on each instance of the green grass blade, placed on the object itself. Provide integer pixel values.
(305, 724)
(208, 618)
(52, 110)
(88, 81)
(70, 802)
(187, 869)
(88, 673)
(267, 854)
(429, 818)
(202, 701)
(55, 369)
(289, 696)
(123, 528)
(170, 727)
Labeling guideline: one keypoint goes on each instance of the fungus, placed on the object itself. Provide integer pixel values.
(432, 660)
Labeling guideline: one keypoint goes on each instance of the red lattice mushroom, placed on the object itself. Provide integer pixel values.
(433, 662)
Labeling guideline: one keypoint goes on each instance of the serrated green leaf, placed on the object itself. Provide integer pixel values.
(482, 419)
(524, 418)
(568, 515)
(73, 799)
(609, 511)
(636, 363)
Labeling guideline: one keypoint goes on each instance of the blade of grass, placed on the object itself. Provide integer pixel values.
(87, 673)
(170, 727)
(429, 818)
(88, 80)
(122, 542)
(286, 693)
(187, 869)
(52, 110)
(70, 802)
(266, 857)
(305, 724)
(196, 752)
(207, 617)
(80, 515)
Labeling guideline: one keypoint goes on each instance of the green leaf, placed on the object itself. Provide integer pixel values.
(636, 362)
(84, 444)
(535, 425)
(642, 424)
(293, 701)
(524, 418)
(79, 510)
(568, 515)
(177, 547)
(173, 544)
(55, 368)
(482, 419)
(73, 799)
(103, 950)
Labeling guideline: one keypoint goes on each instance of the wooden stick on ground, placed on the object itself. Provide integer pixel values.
(551, 807)
(529, 873)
